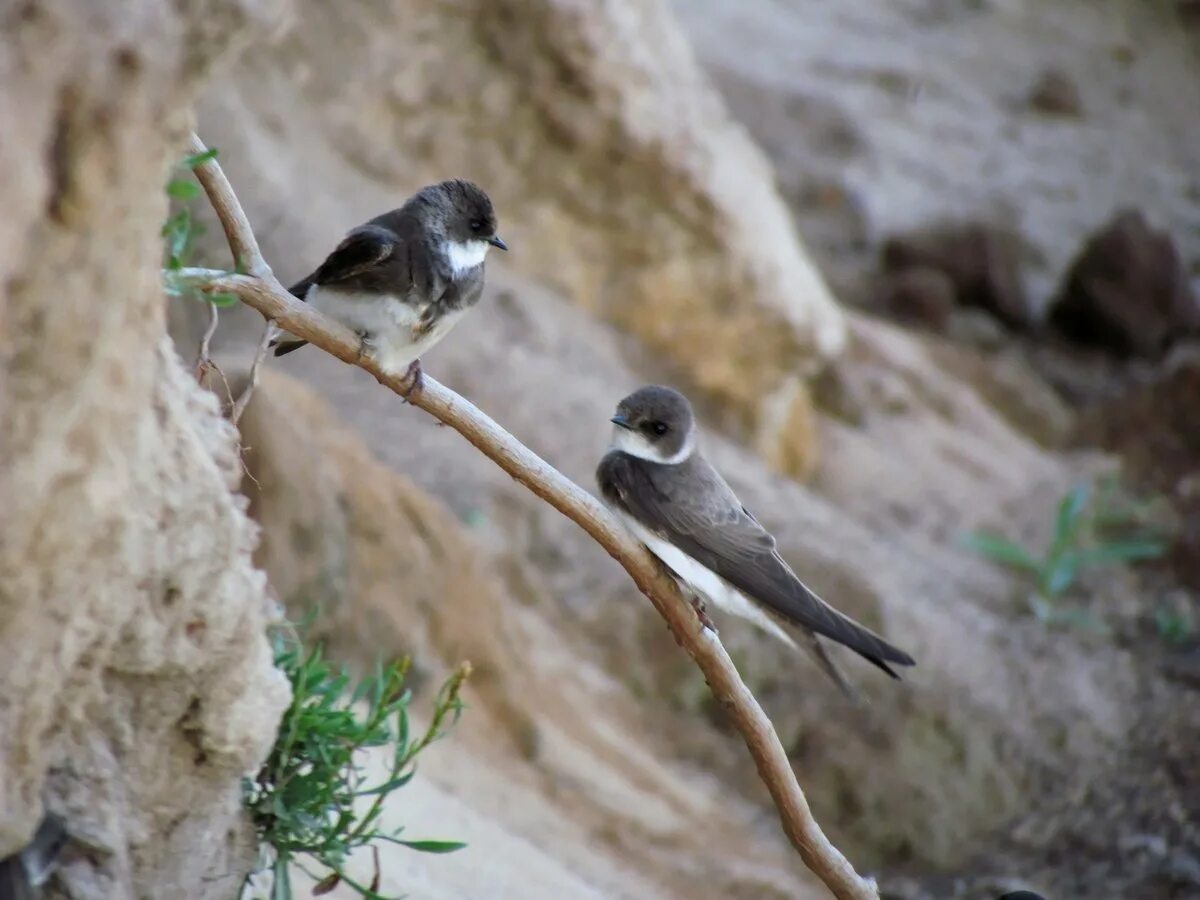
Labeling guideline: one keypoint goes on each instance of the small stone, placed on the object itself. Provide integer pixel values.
(921, 295)
(982, 261)
(1056, 94)
(1127, 291)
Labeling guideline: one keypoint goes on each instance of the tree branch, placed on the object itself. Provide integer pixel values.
(264, 293)
(239, 405)
(204, 354)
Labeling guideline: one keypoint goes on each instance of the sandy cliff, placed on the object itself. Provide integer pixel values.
(137, 685)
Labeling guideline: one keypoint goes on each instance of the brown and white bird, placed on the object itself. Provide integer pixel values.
(404, 279)
(661, 486)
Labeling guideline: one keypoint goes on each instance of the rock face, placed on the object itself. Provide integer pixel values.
(1127, 292)
(982, 263)
(917, 112)
(136, 685)
(618, 176)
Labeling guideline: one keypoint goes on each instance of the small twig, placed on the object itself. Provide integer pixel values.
(204, 360)
(204, 354)
(265, 294)
(239, 405)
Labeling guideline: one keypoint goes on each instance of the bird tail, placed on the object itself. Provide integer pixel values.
(282, 348)
(814, 646)
(868, 645)
(824, 620)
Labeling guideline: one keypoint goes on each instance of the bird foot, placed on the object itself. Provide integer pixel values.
(702, 614)
(414, 377)
(365, 345)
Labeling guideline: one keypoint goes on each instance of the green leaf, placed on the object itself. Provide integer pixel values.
(183, 190)
(178, 231)
(1173, 625)
(223, 299)
(402, 726)
(1061, 575)
(304, 800)
(1078, 618)
(433, 846)
(360, 691)
(1002, 550)
(199, 159)
(1070, 509)
(1042, 608)
(1123, 551)
(388, 786)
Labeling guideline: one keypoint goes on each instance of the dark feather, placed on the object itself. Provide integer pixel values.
(691, 506)
(361, 250)
(394, 254)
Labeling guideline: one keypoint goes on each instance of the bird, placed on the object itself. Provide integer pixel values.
(403, 280)
(656, 480)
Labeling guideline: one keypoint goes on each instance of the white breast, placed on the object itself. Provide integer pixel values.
(465, 255)
(389, 320)
(705, 582)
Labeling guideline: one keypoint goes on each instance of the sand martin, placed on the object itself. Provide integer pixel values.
(661, 486)
(405, 278)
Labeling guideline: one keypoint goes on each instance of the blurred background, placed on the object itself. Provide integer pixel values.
(928, 270)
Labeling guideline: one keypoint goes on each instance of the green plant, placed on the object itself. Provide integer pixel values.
(1093, 527)
(303, 801)
(180, 231)
(1175, 622)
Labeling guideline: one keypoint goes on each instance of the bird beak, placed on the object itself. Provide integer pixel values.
(495, 241)
(620, 420)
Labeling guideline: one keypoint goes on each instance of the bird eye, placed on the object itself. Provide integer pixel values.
(659, 428)
(476, 224)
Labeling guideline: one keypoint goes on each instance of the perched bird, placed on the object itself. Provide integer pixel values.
(405, 278)
(657, 481)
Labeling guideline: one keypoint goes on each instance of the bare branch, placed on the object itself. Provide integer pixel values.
(204, 354)
(266, 295)
(246, 255)
(239, 405)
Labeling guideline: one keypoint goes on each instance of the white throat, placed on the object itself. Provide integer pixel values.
(635, 444)
(465, 255)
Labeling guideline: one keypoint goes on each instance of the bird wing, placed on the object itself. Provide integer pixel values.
(360, 251)
(363, 248)
(704, 518)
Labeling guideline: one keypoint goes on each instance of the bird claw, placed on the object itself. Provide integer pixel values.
(365, 345)
(702, 614)
(415, 378)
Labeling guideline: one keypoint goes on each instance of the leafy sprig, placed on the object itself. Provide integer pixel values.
(1091, 529)
(303, 801)
(180, 231)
